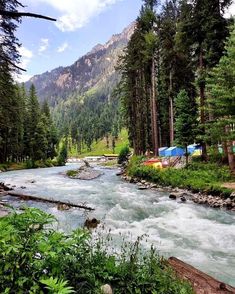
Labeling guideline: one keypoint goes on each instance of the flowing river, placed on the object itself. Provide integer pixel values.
(198, 235)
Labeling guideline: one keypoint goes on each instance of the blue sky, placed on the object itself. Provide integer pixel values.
(81, 25)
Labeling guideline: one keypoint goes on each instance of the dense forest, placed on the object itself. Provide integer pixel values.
(27, 133)
(177, 87)
(177, 78)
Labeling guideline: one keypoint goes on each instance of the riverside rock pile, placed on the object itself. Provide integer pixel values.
(184, 195)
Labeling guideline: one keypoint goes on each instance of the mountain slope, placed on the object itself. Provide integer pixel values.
(93, 70)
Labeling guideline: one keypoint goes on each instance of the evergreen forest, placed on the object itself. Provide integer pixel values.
(174, 85)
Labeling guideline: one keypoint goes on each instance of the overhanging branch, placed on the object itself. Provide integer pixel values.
(15, 14)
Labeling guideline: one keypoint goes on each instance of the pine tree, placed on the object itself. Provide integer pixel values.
(206, 29)
(186, 121)
(221, 102)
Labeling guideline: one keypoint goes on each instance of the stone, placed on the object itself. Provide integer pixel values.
(106, 289)
(62, 206)
(183, 199)
(142, 188)
(119, 173)
(173, 196)
(91, 223)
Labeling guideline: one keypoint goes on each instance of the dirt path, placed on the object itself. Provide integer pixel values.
(230, 185)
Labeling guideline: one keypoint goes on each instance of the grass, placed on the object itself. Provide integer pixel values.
(197, 177)
(27, 165)
(13, 166)
(110, 163)
(99, 148)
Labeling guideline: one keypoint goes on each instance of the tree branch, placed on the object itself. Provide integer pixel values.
(13, 64)
(21, 14)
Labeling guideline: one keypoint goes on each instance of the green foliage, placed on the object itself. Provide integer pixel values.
(36, 259)
(56, 286)
(63, 154)
(72, 173)
(221, 104)
(123, 155)
(186, 119)
(198, 177)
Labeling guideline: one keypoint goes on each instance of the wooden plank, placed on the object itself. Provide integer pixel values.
(201, 282)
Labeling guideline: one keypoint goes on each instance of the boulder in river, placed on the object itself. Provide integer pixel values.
(85, 172)
(91, 223)
(173, 196)
(62, 206)
(183, 199)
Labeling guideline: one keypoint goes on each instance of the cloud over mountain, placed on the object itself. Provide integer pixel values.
(76, 14)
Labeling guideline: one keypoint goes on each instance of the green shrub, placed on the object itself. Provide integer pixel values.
(34, 259)
(123, 155)
(72, 173)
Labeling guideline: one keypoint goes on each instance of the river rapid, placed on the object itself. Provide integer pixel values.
(201, 236)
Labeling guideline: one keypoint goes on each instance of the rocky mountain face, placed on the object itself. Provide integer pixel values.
(92, 71)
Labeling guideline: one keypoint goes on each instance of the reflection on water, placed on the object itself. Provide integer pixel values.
(201, 236)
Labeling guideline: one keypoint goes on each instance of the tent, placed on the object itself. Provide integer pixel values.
(193, 147)
(174, 151)
(162, 151)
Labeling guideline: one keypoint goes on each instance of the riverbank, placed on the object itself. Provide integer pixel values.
(11, 166)
(200, 182)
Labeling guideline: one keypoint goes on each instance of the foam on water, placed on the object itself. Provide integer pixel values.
(201, 236)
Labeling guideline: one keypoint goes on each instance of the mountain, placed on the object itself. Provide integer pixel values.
(81, 95)
(91, 71)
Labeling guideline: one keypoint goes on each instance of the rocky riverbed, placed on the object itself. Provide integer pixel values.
(185, 195)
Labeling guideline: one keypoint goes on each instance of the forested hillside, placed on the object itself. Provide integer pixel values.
(82, 96)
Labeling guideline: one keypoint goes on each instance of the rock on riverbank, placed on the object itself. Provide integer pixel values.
(184, 195)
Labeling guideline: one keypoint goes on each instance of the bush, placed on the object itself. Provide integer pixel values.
(37, 260)
(123, 155)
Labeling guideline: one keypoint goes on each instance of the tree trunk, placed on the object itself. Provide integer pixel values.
(230, 155)
(201, 282)
(186, 154)
(154, 111)
(171, 112)
(202, 106)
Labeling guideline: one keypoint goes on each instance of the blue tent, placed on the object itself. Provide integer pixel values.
(162, 151)
(174, 151)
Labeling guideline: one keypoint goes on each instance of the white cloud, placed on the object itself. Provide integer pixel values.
(26, 56)
(44, 45)
(230, 11)
(22, 78)
(63, 47)
(77, 13)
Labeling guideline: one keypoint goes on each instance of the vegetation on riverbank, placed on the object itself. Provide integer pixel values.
(197, 176)
(33, 259)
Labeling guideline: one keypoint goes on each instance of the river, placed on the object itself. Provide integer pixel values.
(201, 236)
